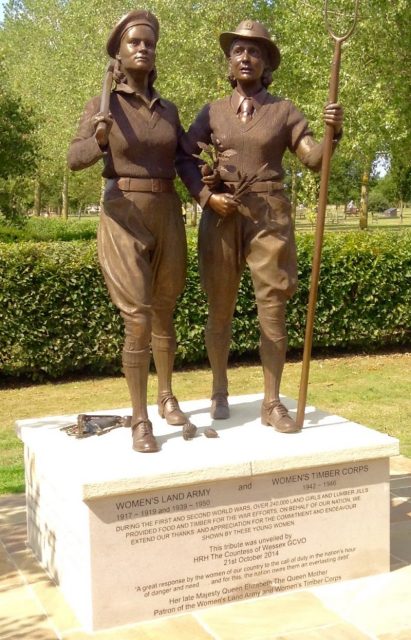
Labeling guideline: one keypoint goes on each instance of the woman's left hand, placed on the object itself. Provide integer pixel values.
(212, 181)
(334, 115)
(210, 177)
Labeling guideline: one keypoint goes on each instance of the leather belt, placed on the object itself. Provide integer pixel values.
(265, 186)
(151, 185)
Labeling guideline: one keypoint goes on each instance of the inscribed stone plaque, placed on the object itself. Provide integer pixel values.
(172, 551)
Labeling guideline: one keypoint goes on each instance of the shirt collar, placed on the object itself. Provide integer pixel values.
(257, 99)
(123, 87)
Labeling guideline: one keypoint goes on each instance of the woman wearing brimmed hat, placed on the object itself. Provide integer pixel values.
(255, 128)
(141, 238)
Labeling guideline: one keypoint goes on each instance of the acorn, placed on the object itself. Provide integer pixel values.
(210, 433)
(189, 430)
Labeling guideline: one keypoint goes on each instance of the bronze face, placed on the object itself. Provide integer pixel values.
(252, 30)
(247, 61)
(137, 52)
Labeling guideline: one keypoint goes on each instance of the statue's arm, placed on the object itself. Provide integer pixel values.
(187, 165)
(84, 149)
(309, 151)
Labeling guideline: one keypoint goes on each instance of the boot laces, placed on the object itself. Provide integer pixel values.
(173, 403)
(144, 428)
(219, 397)
(279, 407)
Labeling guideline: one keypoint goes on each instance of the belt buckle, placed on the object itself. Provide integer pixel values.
(124, 184)
(155, 185)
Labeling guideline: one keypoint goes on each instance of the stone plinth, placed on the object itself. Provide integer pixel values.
(131, 536)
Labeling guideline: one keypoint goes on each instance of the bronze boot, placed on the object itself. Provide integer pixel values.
(219, 407)
(135, 367)
(164, 348)
(143, 438)
(218, 346)
(169, 409)
(275, 414)
(273, 347)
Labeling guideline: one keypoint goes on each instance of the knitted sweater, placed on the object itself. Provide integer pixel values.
(276, 126)
(143, 140)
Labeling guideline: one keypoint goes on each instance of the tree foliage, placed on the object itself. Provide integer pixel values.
(17, 150)
(64, 40)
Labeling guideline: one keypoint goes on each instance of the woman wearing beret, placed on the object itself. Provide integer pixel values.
(141, 237)
(253, 129)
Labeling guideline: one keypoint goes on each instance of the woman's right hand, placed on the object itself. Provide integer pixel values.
(102, 133)
(223, 203)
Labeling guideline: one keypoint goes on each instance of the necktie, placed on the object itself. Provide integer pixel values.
(246, 110)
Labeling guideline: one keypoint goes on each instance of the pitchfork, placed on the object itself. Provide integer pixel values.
(322, 204)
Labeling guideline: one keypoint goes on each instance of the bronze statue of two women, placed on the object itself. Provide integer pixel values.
(141, 237)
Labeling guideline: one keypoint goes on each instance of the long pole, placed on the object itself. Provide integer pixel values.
(105, 102)
(322, 204)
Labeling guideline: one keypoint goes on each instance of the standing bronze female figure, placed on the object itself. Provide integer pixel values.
(141, 237)
(251, 130)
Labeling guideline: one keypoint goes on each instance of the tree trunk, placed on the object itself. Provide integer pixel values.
(363, 218)
(103, 186)
(401, 209)
(37, 196)
(194, 214)
(293, 195)
(64, 195)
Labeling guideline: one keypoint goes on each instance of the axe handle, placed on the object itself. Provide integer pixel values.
(101, 128)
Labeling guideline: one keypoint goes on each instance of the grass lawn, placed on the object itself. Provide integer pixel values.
(336, 221)
(371, 389)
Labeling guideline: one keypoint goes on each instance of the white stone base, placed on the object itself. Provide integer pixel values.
(131, 536)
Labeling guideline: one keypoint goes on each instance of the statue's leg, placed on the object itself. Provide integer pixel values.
(218, 347)
(273, 348)
(136, 363)
(271, 258)
(164, 349)
(124, 259)
(168, 262)
(221, 266)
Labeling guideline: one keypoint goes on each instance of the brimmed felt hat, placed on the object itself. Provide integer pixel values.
(252, 30)
(131, 19)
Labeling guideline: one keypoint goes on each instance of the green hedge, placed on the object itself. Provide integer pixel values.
(55, 314)
(56, 317)
(49, 230)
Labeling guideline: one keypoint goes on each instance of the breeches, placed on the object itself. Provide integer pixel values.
(263, 239)
(142, 253)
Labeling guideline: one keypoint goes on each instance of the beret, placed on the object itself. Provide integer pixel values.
(131, 19)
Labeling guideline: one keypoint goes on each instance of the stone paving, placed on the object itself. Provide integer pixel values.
(374, 608)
